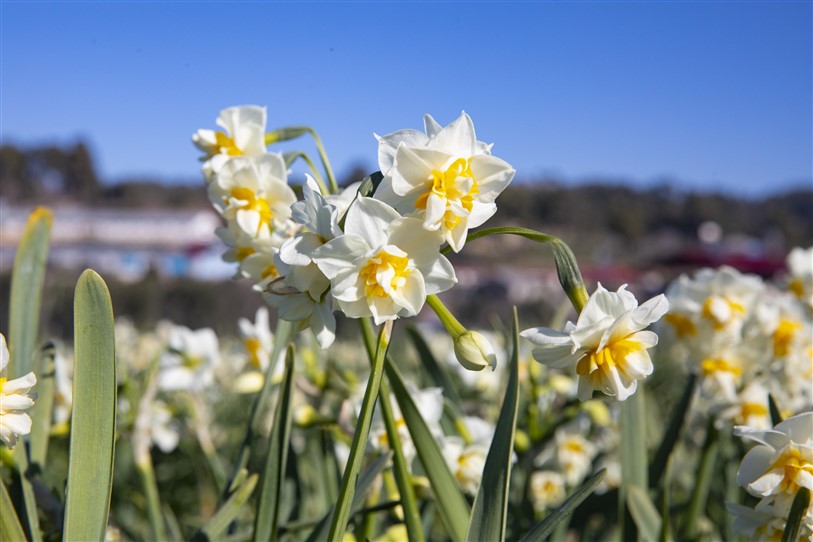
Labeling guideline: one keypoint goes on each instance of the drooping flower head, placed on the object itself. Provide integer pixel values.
(15, 399)
(608, 344)
(244, 136)
(384, 265)
(446, 177)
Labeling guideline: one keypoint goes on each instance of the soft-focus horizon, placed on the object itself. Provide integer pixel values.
(702, 96)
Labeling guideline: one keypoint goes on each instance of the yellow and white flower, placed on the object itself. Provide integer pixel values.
(190, 360)
(384, 265)
(800, 268)
(254, 192)
(15, 399)
(244, 136)
(547, 490)
(258, 341)
(782, 460)
(607, 346)
(446, 177)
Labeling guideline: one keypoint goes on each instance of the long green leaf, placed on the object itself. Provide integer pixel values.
(41, 412)
(93, 421)
(488, 518)
(10, 528)
(644, 513)
(27, 279)
(365, 483)
(341, 514)
(702, 482)
(268, 507)
(454, 511)
(215, 527)
(544, 528)
(670, 436)
(797, 511)
(632, 421)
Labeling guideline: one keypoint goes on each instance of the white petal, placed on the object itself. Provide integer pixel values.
(338, 254)
(440, 277)
(458, 138)
(369, 219)
(492, 175)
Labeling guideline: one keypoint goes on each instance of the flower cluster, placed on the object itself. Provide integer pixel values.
(745, 339)
(375, 254)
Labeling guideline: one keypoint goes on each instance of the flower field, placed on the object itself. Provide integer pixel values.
(684, 416)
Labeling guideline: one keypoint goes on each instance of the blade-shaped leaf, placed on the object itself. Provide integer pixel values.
(437, 372)
(670, 436)
(27, 279)
(454, 511)
(491, 504)
(544, 528)
(797, 511)
(10, 528)
(93, 420)
(268, 507)
(644, 513)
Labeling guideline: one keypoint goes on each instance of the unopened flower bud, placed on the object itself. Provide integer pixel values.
(474, 352)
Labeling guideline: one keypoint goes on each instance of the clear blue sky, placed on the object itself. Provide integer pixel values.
(715, 95)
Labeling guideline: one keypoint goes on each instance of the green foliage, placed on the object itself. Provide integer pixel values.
(93, 421)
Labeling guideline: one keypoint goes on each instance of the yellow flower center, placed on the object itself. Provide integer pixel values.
(270, 272)
(752, 409)
(575, 446)
(253, 203)
(792, 463)
(602, 362)
(384, 273)
(719, 365)
(715, 304)
(253, 346)
(3, 380)
(226, 145)
(445, 186)
(243, 252)
(192, 362)
(684, 327)
(797, 287)
(783, 336)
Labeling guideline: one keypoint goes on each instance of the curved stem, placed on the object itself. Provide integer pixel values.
(452, 324)
(290, 158)
(331, 179)
(566, 267)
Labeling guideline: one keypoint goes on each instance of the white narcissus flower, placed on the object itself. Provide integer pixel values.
(189, 362)
(254, 192)
(244, 136)
(301, 293)
(258, 340)
(547, 490)
(446, 176)
(800, 267)
(607, 346)
(15, 399)
(782, 461)
(384, 265)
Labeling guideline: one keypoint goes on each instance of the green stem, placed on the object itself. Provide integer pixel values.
(325, 162)
(147, 476)
(412, 516)
(341, 514)
(290, 157)
(292, 132)
(452, 325)
(566, 267)
(30, 502)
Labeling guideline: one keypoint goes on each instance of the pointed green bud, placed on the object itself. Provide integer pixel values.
(474, 352)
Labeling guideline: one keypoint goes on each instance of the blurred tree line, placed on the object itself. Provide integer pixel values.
(53, 173)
